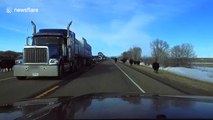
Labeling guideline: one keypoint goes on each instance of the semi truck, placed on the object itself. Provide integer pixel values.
(52, 52)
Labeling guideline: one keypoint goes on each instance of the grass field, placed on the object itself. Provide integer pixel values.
(202, 62)
(203, 65)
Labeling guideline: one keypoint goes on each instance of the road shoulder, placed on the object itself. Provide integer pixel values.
(186, 85)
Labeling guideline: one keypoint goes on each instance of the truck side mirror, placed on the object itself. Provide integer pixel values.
(27, 40)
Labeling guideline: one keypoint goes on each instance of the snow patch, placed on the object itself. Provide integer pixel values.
(199, 73)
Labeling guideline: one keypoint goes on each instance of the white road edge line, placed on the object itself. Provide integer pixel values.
(130, 79)
(6, 79)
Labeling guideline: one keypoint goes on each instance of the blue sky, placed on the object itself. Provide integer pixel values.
(113, 26)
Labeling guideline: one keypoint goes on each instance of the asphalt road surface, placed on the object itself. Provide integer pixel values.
(106, 76)
(110, 77)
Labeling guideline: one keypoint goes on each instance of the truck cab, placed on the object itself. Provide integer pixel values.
(49, 52)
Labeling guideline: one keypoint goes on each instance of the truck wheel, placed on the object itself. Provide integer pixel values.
(73, 68)
(21, 77)
(60, 71)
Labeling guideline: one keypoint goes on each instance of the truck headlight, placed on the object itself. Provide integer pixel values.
(19, 61)
(53, 61)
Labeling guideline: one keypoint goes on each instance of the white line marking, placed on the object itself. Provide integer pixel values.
(130, 79)
(6, 79)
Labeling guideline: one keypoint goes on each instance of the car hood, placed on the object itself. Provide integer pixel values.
(108, 105)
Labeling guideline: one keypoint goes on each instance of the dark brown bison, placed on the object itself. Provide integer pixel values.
(6, 64)
(131, 61)
(155, 66)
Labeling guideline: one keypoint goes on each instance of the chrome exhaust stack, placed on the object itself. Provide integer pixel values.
(34, 27)
(34, 32)
(68, 29)
(27, 40)
(69, 40)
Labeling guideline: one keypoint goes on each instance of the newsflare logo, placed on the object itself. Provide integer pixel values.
(21, 10)
(9, 10)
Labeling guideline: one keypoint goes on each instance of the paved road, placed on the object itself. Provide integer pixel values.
(110, 77)
(103, 77)
(12, 89)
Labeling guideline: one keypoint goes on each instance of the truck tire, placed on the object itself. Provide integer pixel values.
(73, 68)
(21, 77)
(60, 71)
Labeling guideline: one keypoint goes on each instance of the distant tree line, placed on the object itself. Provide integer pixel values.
(178, 55)
(9, 54)
(133, 54)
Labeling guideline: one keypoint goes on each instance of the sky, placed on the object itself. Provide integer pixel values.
(112, 26)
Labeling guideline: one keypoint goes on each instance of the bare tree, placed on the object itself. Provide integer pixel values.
(181, 55)
(160, 51)
(134, 54)
(129, 53)
(124, 56)
(147, 60)
(188, 50)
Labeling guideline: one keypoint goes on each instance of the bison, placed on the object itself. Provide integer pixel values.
(6, 64)
(131, 61)
(155, 66)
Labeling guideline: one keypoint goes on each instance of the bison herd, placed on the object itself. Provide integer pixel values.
(131, 61)
(155, 64)
(6, 65)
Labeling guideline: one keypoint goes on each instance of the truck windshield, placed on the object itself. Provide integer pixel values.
(53, 43)
(54, 50)
(46, 40)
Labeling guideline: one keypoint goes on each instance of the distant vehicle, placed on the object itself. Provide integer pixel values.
(101, 56)
(96, 59)
(19, 59)
(111, 106)
(51, 53)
